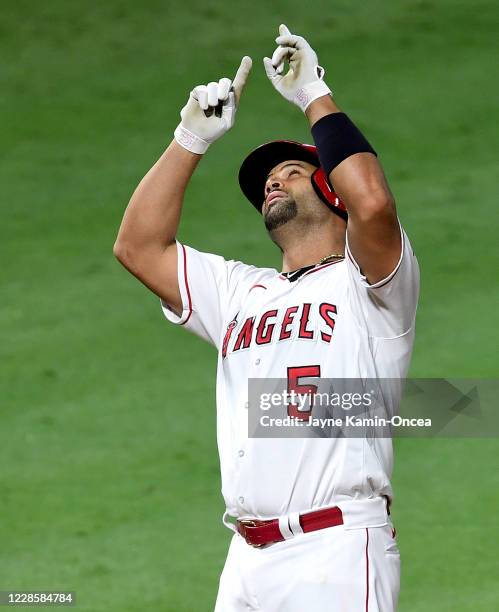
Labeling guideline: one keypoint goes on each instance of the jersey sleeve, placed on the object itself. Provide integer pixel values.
(206, 284)
(386, 308)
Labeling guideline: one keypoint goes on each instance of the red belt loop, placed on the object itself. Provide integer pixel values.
(259, 533)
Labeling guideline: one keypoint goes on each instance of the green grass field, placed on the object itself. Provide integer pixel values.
(109, 482)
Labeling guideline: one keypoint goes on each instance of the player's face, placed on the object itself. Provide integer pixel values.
(287, 189)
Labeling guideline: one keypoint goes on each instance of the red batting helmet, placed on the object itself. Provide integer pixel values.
(256, 167)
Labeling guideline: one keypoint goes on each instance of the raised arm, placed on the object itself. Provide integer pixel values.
(350, 162)
(146, 239)
(373, 229)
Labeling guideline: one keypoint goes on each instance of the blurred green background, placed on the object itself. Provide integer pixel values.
(109, 469)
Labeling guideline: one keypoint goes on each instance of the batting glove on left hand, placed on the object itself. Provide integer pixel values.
(211, 111)
(303, 82)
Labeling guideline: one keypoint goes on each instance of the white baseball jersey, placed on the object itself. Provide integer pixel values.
(262, 324)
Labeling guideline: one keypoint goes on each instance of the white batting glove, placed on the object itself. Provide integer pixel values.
(303, 83)
(211, 110)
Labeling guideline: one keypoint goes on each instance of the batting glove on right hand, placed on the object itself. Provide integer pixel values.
(211, 110)
(303, 82)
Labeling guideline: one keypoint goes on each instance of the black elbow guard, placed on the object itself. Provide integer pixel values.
(336, 138)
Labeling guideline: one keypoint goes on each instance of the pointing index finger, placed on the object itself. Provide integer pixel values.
(284, 30)
(241, 77)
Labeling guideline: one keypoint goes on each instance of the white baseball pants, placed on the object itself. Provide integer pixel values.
(333, 570)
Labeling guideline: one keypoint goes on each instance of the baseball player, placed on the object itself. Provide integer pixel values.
(311, 516)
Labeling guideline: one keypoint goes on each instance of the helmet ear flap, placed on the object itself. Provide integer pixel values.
(326, 193)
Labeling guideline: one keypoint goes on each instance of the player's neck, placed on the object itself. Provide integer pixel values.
(311, 248)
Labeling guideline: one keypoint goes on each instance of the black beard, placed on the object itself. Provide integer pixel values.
(279, 214)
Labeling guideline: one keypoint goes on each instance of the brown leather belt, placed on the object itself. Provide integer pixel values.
(259, 533)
